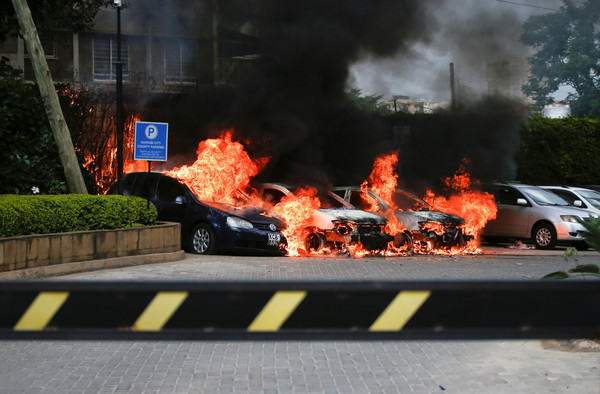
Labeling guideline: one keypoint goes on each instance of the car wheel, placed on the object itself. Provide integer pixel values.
(544, 236)
(581, 245)
(314, 242)
(403, 241)
(203, 239)
(461, 241)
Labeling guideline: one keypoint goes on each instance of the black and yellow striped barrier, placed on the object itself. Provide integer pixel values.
(299, 310)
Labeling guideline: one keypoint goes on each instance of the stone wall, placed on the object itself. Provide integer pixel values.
(33, 251)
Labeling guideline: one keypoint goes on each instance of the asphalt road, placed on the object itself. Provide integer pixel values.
(497, 366)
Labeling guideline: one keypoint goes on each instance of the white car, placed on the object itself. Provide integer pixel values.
(579, 197)
(337, 222)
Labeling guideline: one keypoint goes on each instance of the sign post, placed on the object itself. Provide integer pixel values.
(150, 142)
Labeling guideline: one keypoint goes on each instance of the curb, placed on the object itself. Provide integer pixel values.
(91, 265)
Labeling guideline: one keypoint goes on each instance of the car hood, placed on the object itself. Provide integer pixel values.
(323, 218)
(410, 219)
(251, 213)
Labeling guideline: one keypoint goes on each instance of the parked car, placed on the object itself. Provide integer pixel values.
(336, 223)
(530, 212)
(422, 222)
(208, 227)
(579, 197)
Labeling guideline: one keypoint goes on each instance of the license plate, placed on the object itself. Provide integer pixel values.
(273, 239)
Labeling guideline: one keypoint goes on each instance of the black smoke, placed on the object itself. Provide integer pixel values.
(294, 101)
(292, 105)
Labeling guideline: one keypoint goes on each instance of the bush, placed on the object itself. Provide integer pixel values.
(559, 151)
(45, 214)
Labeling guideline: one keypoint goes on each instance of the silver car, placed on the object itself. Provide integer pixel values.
(579, 197)
(530, 212)
(420, 220)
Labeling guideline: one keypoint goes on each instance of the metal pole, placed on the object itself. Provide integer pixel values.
(452, 90)
(120, 125)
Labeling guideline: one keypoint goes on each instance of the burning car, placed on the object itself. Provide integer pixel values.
(334, 223)
(418, 220)
(208, 227)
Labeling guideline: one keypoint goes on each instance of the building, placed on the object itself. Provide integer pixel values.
(414, 106)
(166, 46)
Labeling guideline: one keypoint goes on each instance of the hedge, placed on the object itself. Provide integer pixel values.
(560, 151)
(45, 214)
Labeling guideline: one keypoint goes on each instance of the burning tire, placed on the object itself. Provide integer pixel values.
(544, 236)
(314, 242)
(203, 239)
(403, 241)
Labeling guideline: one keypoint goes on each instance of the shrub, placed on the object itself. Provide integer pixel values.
(45, 214)
(560, 151)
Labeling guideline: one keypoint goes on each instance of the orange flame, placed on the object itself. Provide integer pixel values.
(476, 207)
(297, 212)
(383, 178)
(222, 167)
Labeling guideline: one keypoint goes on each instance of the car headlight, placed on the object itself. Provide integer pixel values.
(236, 222)
(570, 218)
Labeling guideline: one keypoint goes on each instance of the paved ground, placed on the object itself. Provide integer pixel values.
(517, 366)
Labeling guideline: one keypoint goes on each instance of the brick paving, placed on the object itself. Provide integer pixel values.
(498, 366)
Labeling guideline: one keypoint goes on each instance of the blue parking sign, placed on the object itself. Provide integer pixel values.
(150, 141)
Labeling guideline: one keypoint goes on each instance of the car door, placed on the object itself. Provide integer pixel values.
(170, 208)
(514, 214)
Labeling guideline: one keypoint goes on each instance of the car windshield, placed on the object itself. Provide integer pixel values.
(543, 197)
(327, 200)
(592, 196)
(409, 202)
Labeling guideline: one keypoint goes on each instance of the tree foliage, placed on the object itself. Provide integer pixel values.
(559, 151)
(76, 15)
(567, 44)
(29, 157)
(368, 103)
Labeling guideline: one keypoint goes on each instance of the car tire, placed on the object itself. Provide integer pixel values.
(404, 241)
(544, 236)
(314, 242)
(203, 239)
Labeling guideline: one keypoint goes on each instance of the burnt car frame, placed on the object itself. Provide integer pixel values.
(337, 223)
(421, 221)
(208, 227)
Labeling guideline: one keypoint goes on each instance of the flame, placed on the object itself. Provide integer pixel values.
(476, 207)
(297, 212)
(106, 174)
(383, 178)
(222, 168)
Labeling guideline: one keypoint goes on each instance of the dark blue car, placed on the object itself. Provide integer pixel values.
(208, 227)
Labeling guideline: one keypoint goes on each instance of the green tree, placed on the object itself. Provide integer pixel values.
(76, 15)
(567, 44)
(29, 160)
(368, 104)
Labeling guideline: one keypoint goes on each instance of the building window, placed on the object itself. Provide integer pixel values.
(47, 41)
(180, 61)
(105, 58)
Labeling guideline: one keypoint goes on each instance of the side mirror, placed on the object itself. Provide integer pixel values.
(522, 201)
(180, 200)
(578, 203)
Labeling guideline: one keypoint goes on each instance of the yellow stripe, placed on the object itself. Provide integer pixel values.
(400, 310)
(160, 310)
(277, 310)
(41, 311)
